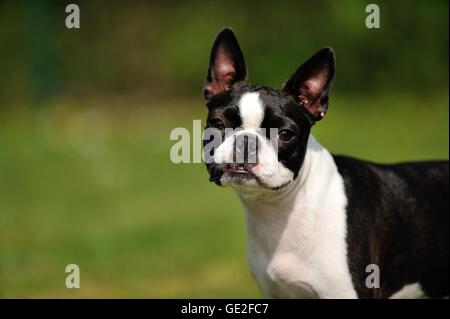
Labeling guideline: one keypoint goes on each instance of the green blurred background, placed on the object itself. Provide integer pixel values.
(85, 117)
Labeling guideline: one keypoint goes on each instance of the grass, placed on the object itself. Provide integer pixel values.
(91, 183)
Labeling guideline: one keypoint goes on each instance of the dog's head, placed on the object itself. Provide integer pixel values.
(256, 136)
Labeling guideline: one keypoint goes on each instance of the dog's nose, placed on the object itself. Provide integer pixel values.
(245, 148)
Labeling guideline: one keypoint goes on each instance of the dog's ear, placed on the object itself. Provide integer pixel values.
(310, 85)
(226, 64)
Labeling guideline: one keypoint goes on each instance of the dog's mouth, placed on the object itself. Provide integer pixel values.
(239, 169)
(241, 175)
(236, 169)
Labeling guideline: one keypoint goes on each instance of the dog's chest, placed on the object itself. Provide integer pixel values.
(283, 273)
(306, 260)
(297, 248)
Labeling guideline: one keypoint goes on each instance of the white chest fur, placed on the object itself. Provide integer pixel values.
(297, 238)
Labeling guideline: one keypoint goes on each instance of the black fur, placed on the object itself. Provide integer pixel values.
(397, 218)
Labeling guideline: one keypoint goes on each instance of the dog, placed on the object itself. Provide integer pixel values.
(319, 225)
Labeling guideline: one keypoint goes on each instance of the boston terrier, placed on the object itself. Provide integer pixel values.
(319, 225)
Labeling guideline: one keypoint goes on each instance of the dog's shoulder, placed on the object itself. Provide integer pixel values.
(397, 214)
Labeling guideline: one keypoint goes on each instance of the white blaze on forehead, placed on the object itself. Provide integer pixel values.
(251, 110)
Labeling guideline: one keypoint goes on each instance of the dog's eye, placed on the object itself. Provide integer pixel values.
(217, 123)
(285, 135)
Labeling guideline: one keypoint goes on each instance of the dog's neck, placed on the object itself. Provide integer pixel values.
(306, 200)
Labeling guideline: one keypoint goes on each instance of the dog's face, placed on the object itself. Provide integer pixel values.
(260, 134)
